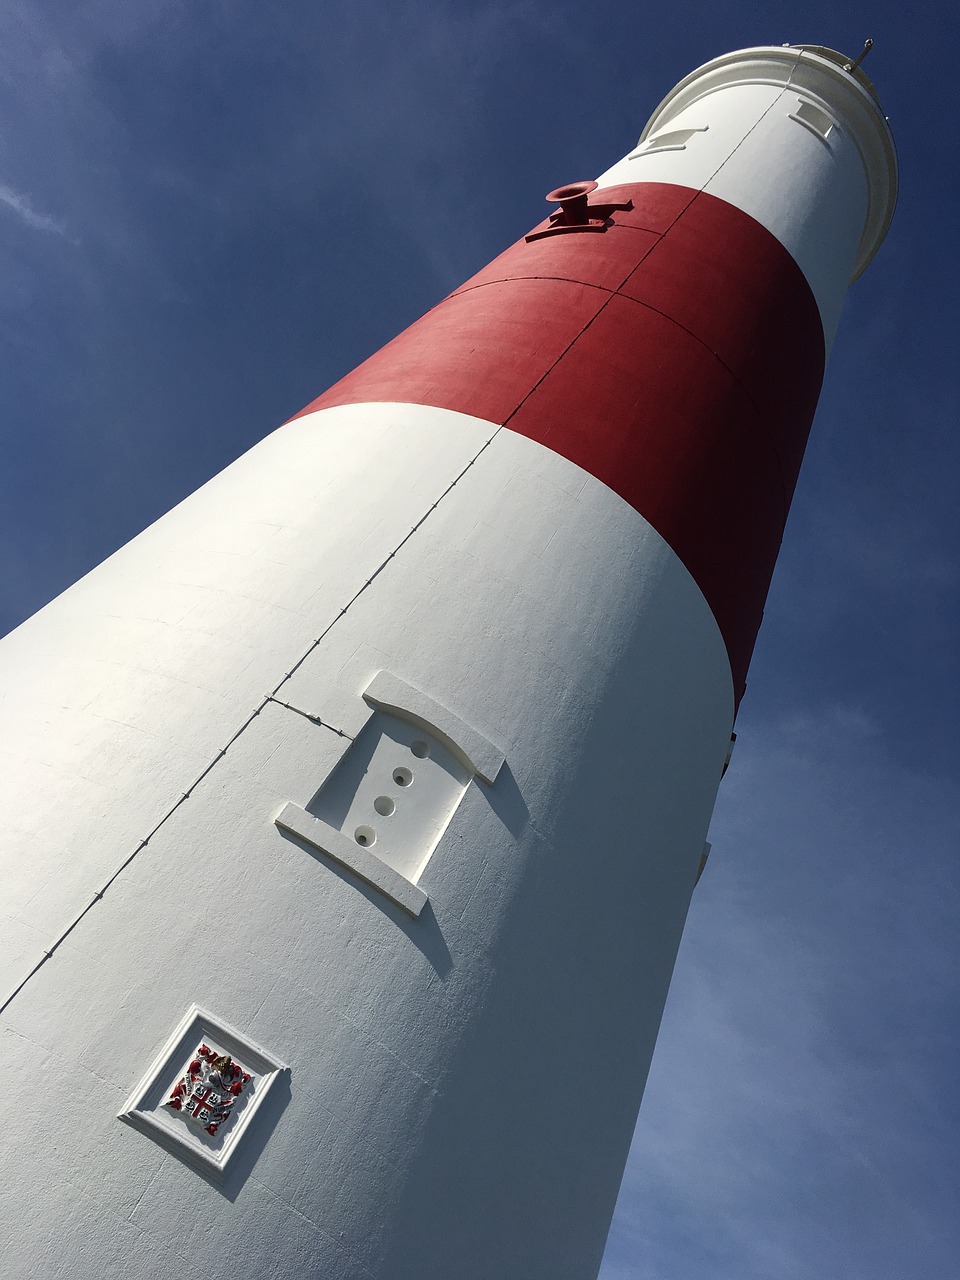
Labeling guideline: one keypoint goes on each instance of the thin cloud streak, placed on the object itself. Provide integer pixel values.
(21, 206)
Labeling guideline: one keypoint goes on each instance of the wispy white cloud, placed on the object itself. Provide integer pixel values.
(20, 204)
(803, 1067)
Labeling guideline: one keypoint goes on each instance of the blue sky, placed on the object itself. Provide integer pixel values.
(209, 212)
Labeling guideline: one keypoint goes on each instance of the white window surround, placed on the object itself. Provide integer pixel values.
(146, 1107)
(672, 140)
(478, 754)
(813, 118)
(479, 757)
(362, 862)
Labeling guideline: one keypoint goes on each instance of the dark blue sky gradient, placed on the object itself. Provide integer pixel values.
(208, 213)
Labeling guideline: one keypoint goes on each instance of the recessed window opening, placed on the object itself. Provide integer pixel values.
(393, 792)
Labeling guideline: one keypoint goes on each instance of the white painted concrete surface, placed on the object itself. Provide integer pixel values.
(463, 1085)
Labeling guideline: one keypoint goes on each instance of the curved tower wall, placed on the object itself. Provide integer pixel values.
(503, 582)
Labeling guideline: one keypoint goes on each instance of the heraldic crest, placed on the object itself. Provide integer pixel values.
(208, 1090)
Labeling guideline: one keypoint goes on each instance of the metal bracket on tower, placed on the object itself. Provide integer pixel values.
(575, 212)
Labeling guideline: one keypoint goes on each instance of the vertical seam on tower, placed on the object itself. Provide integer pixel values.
(613, 293)
(756, 125)
(267, 699)
(616, 292)
(380, 568)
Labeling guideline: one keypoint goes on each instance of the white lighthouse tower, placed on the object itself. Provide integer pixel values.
(352, 811)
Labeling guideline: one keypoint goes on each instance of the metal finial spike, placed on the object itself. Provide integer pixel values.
(867, 46)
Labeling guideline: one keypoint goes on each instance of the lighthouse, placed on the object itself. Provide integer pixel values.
(354, 808)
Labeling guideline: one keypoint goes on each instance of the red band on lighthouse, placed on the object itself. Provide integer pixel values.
(677, 357)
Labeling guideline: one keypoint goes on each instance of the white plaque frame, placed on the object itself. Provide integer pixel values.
(145, 1109)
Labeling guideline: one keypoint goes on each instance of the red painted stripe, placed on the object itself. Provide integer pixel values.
(677, 357)
(480, 352)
